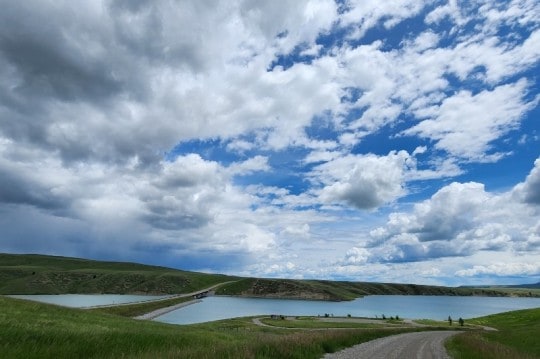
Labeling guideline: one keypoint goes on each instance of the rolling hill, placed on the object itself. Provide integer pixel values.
(41, 274)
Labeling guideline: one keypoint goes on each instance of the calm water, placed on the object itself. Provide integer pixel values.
(87, 300)
(412, 307)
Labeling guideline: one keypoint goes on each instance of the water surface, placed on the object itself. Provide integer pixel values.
(411, 307)
(87, 300)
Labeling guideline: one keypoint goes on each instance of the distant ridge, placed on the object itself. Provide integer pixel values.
(530, 286)
(524, 286)
(42, 274)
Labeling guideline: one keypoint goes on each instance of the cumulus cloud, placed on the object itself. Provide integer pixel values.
(363, 181)
(316, 111)
(502, 270)
(463, 128)
(367, 14)
(459, 219)
(529, 191)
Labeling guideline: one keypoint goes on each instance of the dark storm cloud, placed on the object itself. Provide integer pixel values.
(18, 190)
(174, 218)
(51, 59)
(442, 227)
(161, 38)
(80, 79)
(25, 229)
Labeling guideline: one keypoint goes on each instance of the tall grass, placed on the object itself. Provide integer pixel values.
(517, 337)
(37, 330)
(476, 346)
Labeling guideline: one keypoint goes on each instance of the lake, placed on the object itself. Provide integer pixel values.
(87, 300)
(411, 307)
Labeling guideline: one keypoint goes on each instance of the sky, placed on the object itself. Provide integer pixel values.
(360, 140)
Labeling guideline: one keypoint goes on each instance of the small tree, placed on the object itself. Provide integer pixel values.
(449, 320)
(461, 321)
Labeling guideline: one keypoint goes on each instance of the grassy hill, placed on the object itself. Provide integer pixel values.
(40, 274)
(516, 337)
(329, 290)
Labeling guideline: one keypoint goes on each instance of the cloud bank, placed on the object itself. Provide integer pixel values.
(313, 138)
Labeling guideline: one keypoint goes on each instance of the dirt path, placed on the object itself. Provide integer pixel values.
(382, 324)
(420, 345)
(156, 313)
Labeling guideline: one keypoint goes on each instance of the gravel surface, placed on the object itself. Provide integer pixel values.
(420, 345)
(158, 312)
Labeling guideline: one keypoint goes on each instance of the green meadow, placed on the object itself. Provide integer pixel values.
(35, 330)
(517, 336)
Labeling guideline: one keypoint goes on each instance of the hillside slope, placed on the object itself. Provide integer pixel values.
(328, 290)
(40, 274)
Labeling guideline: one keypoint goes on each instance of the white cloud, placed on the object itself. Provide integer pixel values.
(255, 164)
(462, 127)
(501, 270)
(529, 191)
(461, 219)
(366, 14)
(451, 10)
(363, 181)
(90, 105)
(356, 256)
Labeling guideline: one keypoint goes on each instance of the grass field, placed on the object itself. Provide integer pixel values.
(36, 330)
(517, 337)
(317, 323)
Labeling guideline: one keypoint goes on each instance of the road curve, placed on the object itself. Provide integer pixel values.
(419, 345)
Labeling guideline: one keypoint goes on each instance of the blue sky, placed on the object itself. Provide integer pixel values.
(352, 140)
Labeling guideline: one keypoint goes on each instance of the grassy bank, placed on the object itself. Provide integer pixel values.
(36, 330)
(517, 337)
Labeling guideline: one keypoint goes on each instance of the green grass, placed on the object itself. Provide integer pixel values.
(37, 330)
(517, 337)
(38, 274)
(315, 323)
(329, 290)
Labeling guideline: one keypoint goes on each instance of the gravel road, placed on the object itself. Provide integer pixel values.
(420, 345)
(156, 313)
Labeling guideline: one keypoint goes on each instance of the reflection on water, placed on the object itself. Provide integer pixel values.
(87, 300)
(412, 307)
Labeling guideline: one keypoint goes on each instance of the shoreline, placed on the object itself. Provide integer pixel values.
(158, 312)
